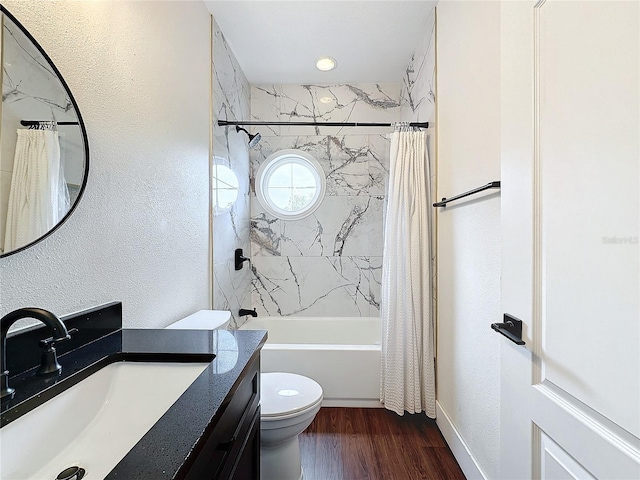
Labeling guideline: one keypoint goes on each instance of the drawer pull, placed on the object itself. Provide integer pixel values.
(228, 444)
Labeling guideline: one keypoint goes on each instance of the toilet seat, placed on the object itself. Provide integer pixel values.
(284, 395)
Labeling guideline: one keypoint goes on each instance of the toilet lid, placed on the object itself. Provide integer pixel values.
(287, 393)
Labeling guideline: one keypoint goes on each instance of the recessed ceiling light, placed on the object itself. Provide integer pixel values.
(326, 99)
(326, 63)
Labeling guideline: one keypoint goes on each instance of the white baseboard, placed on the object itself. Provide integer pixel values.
(465, 459)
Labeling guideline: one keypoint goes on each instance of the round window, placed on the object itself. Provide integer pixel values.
(290, 184)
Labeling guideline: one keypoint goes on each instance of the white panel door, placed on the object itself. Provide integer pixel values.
(570, 227)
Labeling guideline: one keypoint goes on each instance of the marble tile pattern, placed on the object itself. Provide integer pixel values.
(231, 101)
(329, 263)
(418, 95)
(28, 79)
(368, 102)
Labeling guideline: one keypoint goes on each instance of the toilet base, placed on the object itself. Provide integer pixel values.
(281, 461)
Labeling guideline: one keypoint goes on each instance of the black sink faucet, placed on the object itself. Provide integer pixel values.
(49, 319)
(243, 311)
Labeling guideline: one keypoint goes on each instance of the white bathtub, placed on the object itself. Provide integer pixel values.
(342, 354)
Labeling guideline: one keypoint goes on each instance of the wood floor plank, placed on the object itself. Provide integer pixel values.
(328, 447)
(375, 444)
(358, 452)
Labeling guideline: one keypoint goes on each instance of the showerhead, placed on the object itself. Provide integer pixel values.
(253, 139)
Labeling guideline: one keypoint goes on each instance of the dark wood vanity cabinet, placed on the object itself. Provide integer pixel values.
(231, 450)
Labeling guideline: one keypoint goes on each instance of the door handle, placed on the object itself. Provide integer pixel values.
(510, 328)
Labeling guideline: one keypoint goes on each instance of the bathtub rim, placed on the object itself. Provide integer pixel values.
(375, 345)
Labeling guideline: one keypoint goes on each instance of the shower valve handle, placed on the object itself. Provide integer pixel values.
(240, 259)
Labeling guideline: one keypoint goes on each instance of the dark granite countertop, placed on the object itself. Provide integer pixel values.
(167, 445)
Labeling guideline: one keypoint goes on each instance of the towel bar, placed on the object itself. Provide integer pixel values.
(489, 185)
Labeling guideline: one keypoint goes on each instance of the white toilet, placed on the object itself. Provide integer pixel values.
(288, 404)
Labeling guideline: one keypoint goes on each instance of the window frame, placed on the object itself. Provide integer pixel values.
(275, 161)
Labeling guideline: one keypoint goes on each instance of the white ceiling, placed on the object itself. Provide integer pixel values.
(278, 42)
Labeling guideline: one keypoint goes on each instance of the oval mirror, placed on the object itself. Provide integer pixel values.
(44, 156)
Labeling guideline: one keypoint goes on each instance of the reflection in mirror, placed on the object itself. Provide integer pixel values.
(43, 149)
(225, 187)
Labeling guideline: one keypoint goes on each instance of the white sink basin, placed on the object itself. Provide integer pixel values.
(95, 423)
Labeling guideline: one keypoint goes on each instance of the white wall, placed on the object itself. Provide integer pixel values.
(139, 72)
(468, 124)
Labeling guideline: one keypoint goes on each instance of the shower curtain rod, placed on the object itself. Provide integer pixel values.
(33, 123)
(224, 123)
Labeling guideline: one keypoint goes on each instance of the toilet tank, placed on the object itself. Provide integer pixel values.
(203, 320)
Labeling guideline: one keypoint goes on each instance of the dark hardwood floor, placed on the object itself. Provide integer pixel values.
(375, 444)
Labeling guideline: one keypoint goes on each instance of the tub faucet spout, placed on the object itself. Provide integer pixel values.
(243, 311)
(49, 319)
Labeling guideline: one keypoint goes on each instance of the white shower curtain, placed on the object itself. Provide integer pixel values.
(407, 370)
(39, 197)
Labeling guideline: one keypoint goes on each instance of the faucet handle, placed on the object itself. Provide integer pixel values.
(50, 341)
(49, 361)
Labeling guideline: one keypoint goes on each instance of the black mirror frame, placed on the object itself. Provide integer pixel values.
(83, 131)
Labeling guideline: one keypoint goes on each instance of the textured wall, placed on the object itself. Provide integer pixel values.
(469, 231)
(329, 263)
(140, 74)
(231, 97)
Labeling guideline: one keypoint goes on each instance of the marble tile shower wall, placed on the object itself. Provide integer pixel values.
(231, 101)
(418, 96)
(328, 264)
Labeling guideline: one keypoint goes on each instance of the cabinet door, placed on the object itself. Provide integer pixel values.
(248, 464)
(233, 439)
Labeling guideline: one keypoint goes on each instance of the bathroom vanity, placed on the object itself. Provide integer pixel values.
(210, 432)
(231, 447)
